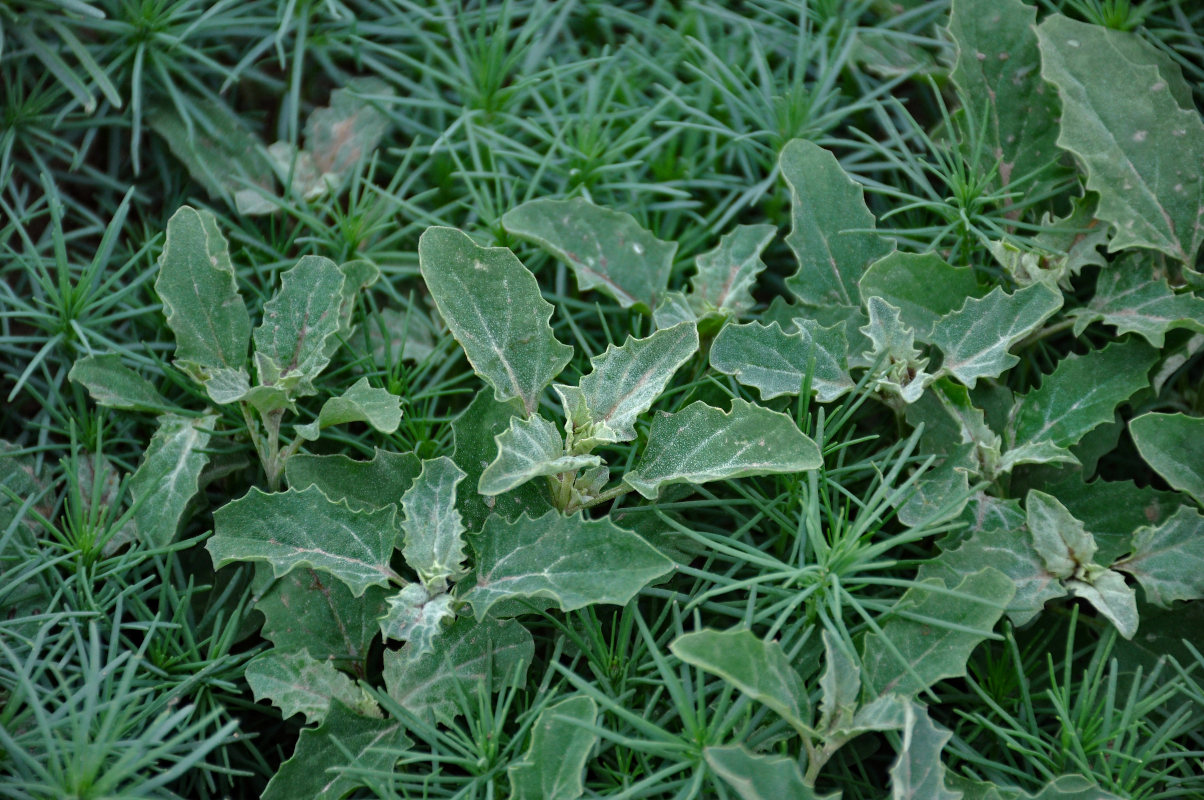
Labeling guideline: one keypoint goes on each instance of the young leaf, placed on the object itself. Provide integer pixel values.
(297, 683)
(999, 536)
(1139, 144)
(918, 770)
(921, 285)
(114, 385)
(1107, 591)
(434, 533)
(492, 304)
(571, 560)
(624, 383)
(305, 610)
(361, 403)
(169, 476)
(318, 767)
(900, 371)
(1112, 510)
(997, 65)
(608, 250)
(775, 361)
(361, 484)
(829, 235)
(529, 448)
(1170, 443)
(976, 338)
(839, 685)
(701, 443)
(1132, 295)
(429, 683)
(1058, 537)
(758, 668)
(475, 432)
(200, 297)
(417, 617)
(1081, 393)
(934, 633)
(305, 529)
(673, 309)
(291, 347)
(726, 274)
(1168, 559)
(756, 776)
(561, 742)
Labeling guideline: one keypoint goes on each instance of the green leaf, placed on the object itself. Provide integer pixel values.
(1067, 787)
(475, 432)
(701, 443)
(318, 767)
(1140, 146)
(727, 274)
(608, 250)
(337, 137)
(921, 285)
(1112, 510)
(918, 772)
(933, 629)
(830, 221)
(624, 383)
(571, 560)
(361, 403)
(775, 361)
(1081, 393)
(1060, 540)
(998, 535)
(952, 421)
(1170, 443)
(434, 532)
(492, 304)
(758, 777)
(529, 448)
(900, 371)
(976, 338)
(416, 616)
(304, 610)
(297, 683)
(1107, 591)
(361, 484)
(997, 66)
(1168, 559)
(303, 528)
(839, 685)
(1132, 295)
(429, 683)
(673, 309)
(291, 347)
(114, 385)
(561, 742)
(169, 476)
(200, 297)
(759, 669)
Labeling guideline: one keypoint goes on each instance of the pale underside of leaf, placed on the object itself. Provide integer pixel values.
(554, 764)
(528, 449)
(434, 532)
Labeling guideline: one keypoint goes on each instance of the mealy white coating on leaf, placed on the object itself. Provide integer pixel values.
(1108, 593)
(361, 403)
(900, 366)
(492, 305)
(1168, 559)
(297, 683)
(414, 616)
(701, 443)
(1171, 444)
(527, 449)
(726, 274)
(553, 766)
(918, 770)
(775, 361)
(758, 776)
(169, 476)
(1060, 539)
(975, 339)
(434, 533)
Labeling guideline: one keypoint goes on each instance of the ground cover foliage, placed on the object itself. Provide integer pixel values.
(580, 399)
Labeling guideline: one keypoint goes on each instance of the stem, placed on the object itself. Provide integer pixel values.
(605, 497)
(273, 464)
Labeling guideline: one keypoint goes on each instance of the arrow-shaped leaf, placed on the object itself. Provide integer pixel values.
(492, 304)
(305, 529)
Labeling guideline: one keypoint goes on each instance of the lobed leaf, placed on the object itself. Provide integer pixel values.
(361, 403)
(573, 561)
(416, 616)
(492, 305)
(291, 343)
(1140, 144)
(726, 275)
(900, 371)
(528, 449)
(921, 285)
(303, 528)
(701, 443)
(775, 361)
(297, 683)
(1133, 296)
(918, 771)
(361, 484)
(975, 339)
(607, 250)
(1168, 559)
